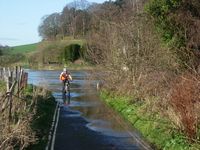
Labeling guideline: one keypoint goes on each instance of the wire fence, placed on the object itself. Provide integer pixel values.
(16, 80)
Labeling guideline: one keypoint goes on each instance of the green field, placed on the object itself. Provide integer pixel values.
(23, 49)
(38, 53)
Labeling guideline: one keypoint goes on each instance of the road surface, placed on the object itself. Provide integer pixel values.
(87, 123)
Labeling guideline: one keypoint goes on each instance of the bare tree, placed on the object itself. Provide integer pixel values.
(50, 26)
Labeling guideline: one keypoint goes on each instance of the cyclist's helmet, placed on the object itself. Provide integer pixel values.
(65, 70)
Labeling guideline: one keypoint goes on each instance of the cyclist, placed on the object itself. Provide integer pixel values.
(65, 77)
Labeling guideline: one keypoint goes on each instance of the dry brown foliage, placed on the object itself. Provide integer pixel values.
(17, 133)
(185, 99)
(128, 40)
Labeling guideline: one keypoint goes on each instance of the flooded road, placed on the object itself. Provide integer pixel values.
(87, 123)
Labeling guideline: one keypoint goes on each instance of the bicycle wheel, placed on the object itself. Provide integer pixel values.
(66, 88)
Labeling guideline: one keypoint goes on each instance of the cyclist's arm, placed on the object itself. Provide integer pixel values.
(61, 76)
(70, 77)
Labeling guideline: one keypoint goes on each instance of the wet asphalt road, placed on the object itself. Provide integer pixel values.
(87, 123)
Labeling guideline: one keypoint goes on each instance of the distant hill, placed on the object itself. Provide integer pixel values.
(80, 4)
(23, 48)
(16, 54)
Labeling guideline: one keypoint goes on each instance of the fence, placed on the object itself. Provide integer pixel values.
(16, 79)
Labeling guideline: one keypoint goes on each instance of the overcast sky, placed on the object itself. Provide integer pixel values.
(19, 19)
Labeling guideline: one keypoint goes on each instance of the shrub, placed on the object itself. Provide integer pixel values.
(72, 52)
(6, 60)
(160, 10)
(185, 99)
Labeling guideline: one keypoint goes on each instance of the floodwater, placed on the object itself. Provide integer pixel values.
(86, 123)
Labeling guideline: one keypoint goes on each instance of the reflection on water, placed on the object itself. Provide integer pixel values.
(82, 98)
(84, 101)
(66, 98)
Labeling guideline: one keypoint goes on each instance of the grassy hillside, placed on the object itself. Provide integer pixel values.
(23, 49)
(17, 54)
(57, 52)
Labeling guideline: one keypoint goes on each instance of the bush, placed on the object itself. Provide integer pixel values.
(185, 100)
(72, 52)
(6, 60)
(178, 23)
(161, 10)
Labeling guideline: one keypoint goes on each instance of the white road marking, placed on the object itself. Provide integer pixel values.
(56, 125)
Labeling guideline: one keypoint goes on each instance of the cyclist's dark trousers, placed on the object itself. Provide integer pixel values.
(64, 83)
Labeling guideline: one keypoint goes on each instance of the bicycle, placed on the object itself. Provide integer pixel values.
(66, 92)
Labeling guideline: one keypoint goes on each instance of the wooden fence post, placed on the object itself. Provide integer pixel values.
(26, 79)
(9, 98)
(16, 73)
(19, 81)
(21, 78)
(13, 77)
(4, 74)
(1, 73)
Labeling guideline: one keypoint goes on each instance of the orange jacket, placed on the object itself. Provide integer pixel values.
(65, 76)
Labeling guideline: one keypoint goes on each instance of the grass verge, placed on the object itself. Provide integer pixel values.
(156, 129)
(42, 119)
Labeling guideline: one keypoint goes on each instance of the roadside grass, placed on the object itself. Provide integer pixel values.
(42, 119)
(156, 129)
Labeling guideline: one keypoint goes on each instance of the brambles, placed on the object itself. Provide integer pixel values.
(185, 99)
